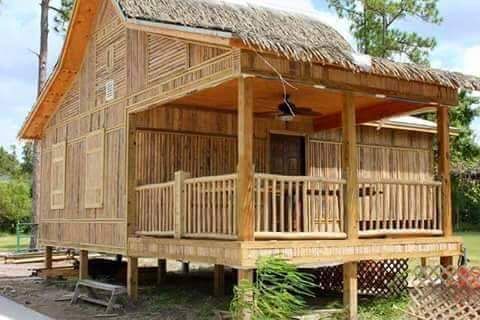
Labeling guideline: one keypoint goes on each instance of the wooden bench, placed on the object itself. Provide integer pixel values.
(91, 285)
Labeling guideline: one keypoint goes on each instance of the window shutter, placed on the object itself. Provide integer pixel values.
(57, 192)
(95, 143)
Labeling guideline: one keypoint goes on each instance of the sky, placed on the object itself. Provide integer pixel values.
(458, 48)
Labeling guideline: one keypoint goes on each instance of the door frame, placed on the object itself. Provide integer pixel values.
(306, 139)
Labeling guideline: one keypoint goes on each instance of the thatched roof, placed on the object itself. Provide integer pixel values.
(295, 36)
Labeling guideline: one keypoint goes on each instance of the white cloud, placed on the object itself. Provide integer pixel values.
(471, 60)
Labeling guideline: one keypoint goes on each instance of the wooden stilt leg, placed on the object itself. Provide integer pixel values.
(119, 258)
(162, 271)
(219, 280)
(48, 257)
(185, 267)
(446, 261)
(246, 275)
(350, 290)
(83, 272)
(423, 262)
(132, 278)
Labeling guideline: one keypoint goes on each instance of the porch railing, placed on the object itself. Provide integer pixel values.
(155, 209)
(400, 207)
(210, 207)
(298, 207)
(287, 207)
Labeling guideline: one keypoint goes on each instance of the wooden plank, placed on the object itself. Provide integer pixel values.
(131, 155)
(350, 165)
(245, 212)
(132, 278)
(179, 202)
(350, 290)
(444, 169)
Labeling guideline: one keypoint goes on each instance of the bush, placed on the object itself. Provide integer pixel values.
(278, 292)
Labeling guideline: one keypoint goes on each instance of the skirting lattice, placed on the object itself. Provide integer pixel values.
(445, 293)
(384, 278)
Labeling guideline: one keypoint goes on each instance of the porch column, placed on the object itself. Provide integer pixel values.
(350, 200)
(444, 173)
(245, 217)
(131, 176)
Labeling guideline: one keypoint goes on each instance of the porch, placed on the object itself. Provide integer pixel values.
(287, 208)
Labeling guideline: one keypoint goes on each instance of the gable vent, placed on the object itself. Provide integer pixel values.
(109, 90)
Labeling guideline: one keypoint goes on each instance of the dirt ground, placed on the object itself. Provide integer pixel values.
(181, 297)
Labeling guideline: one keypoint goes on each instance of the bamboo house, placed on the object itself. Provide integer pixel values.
(215, 133)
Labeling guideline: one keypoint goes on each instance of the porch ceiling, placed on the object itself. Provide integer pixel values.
(268, 94)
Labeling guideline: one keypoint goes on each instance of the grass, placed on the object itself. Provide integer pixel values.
(472, 244)
(8, 242)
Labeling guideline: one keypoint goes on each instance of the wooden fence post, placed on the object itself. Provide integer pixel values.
(179, 203)
(48, 257)
(83, 272)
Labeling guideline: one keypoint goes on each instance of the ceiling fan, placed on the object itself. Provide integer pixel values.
(287, 111)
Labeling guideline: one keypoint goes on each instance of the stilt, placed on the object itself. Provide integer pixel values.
(185, 267)
(423, 262)
(162, 271)
(48, 257)
(446, 261)
(119, 259)
(246, 275)
(132, 278)
(83, 272)
(350, 290)
(219, 280)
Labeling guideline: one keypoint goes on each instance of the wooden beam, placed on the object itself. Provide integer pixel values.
(132, 278)
(48, 257)
(185, 267)
(131, 174)
(83, 272)
(219, 280)
(350, 290)
(162, 271)
(246, 275)
(350, 167)
(383, 110)
(245, 214)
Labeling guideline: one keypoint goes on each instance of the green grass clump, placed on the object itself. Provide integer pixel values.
(8, 242)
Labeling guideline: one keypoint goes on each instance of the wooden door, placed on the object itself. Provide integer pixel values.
(287, 158)
(287, 155)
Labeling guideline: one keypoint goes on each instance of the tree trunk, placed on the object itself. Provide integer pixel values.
(42, 78)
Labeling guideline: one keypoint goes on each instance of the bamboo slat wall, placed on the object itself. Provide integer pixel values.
(155, 208)
(90, 209)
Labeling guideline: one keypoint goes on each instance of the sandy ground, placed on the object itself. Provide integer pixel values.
(182, 297)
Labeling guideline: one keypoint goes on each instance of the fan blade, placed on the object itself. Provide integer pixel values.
(307, 112)
(267, 114)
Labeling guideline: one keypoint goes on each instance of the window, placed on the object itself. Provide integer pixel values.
(57, 190)
(95, 143)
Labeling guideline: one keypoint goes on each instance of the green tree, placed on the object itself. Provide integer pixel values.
(374, 26)
(62, 15)
(8, 164)
(15, 203)
(27, 159)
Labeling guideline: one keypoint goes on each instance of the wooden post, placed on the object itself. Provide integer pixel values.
(83, 272)
(119, 259)
(162, 271)
(179, 189)
(423, 262)
(350, 288)
(219, 280)
(48, 257)
(350, 201)
(132, 278)
(131, 175)
(185, 267)
(246, 275)
(245, 212)
(350, 166)
(444, 172)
